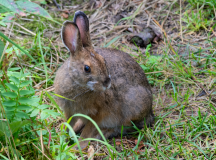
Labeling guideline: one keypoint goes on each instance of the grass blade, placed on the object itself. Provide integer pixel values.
(16, 45)
(42, 57)
(112, 41)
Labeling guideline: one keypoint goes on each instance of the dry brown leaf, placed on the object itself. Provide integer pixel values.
(64, 15)
(98, 4)
(136, 140)
(118, 143)
(115, 6)
(91, 152)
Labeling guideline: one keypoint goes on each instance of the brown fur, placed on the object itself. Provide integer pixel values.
(128, 99)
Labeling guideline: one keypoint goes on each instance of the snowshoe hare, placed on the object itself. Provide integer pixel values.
(106, 84)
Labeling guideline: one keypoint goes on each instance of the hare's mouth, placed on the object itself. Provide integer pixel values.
(105, 88)
(109, 85)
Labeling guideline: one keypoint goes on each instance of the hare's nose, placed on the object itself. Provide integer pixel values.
(107, 82)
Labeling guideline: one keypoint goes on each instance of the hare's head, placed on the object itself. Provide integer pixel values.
(85, 67)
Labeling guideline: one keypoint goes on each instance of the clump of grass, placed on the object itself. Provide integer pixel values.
(200, 15)
(209, 5)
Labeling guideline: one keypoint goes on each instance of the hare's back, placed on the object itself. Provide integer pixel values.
(123, 69)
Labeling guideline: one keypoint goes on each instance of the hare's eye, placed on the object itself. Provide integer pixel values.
(87, 69)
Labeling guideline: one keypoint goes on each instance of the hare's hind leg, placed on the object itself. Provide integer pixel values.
(138, 105)
(147, 121)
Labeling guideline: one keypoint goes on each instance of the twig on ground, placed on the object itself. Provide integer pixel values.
(41, 151)
(32, 33)
(181, 21)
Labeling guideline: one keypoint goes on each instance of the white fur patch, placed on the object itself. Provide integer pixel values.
(104, 88)
(110, 82)
(90, 84)
(109, 86)
(68, 64)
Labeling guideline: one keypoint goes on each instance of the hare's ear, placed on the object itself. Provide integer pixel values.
(71, 37)
(83, 24)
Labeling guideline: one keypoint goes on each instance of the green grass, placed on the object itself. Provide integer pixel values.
(185, 123)
(200, 15)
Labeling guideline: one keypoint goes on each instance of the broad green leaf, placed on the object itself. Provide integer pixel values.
(8, 18)
(22, 114)
(26, 74)
(9, 114)
(35, 101)
(10, 94)
(10, 108)
(25, 83)
(4, 9)
(154, 59)
(1, 48)
(43, 106)
(33, 8)
(15, 80)
(15, 126)
(3, 24)
(9, 103)
(53, 113)
(15, 74)
(12, 86)
(24, 100)
(25, 92)
(2, 88)
(34, 112)
(24, 107)
(43, 2)
(143, 67)
(10, 4)
(23, 75)
(44, 115)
